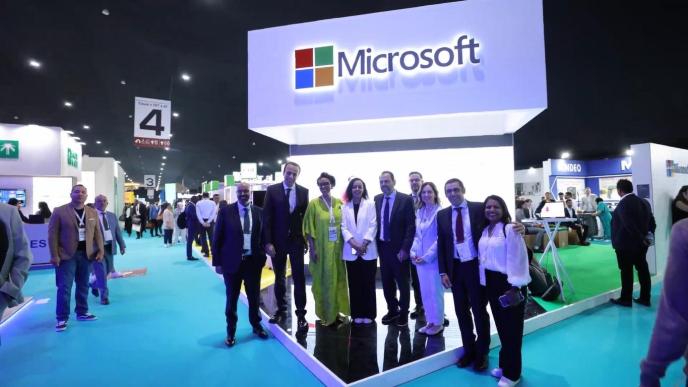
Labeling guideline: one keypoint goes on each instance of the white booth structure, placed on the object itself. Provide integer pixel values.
(438, 89)
(104, 175)
(44, 162)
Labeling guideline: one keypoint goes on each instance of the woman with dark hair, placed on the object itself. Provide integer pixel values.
(44, 211)
(16, 203)
(322, 229)
(359, 226)
(605, 217)
(504, 272)
(679, 207)
(423, 254)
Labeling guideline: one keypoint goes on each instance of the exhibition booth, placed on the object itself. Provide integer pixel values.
(104, 175)
(438, 89)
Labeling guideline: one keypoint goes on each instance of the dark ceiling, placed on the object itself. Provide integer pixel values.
(615, 71)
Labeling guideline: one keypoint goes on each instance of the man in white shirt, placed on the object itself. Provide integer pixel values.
(206, 210)
(112, 235)
(588, 206)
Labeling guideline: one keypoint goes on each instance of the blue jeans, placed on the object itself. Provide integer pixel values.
(77, 268)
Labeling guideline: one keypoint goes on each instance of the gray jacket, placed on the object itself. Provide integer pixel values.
(15, 268)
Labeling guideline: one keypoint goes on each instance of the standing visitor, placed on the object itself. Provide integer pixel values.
(167, 224)
(112, 236)
(206, 212)
(415, 182)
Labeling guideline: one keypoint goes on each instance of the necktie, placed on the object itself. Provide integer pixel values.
(247, 222)
(459, 225)
(105, 223)
(289, 199)
(385, 221)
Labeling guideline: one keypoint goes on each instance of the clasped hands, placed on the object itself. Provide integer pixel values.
(361, 248)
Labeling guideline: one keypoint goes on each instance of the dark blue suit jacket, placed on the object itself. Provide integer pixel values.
(402, 222)
(228, 239)
(278, 221)
(445, 234)
(631, 220)
(191, 218)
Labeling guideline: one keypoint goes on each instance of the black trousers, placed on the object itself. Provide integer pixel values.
(395, 275)
(295, 251)
(361, 274)
(155, 223)
(627, 259)
(415, 284)
(127, 226)
(158, 226)
(206, 237)
(469, 296)
(167, 236)
(249, 274)
(139, 234)
(509, 323)
(580, 229)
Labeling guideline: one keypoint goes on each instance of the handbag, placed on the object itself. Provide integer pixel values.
(122, 218)
(136, 220)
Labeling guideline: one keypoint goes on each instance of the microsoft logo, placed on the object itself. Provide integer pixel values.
(314, 67)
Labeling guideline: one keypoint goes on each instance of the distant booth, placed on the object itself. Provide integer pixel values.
(438, 89)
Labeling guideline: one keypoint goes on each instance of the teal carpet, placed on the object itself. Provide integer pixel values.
(165, 328)
(601, 347)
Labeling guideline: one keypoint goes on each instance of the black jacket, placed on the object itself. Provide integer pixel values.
(228, 239)
(631, 221)
(402, 222)
(445, 234)
(280, 226)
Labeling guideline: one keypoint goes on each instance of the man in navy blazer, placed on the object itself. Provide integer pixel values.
(193, 227)
(112, 235)
(237, 249)
(284, 207)
(632, 220)
(397, 227)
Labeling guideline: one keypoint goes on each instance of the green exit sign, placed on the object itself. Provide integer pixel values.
(9, 149)
(72, 158)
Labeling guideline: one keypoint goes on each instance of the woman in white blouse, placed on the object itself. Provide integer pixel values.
(424, 255)
(359, 225)
(504, 271)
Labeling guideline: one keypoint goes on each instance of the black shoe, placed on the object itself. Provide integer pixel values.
(446, 322)
(105, 302)
(260, 332)
(465, 361)
(402, 320)
(277, 318)
(95, 292)
(301, 323)
(642, 302)
(620, 302)
(192, 259)
(389, 318)
(230, 341)
(480, 364)
(585, 243)
(417, 312)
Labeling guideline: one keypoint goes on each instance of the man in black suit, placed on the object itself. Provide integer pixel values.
(632, 220)
(237, 249)
(580, 229)
(284, 207)
(140, 213)
(458, 231)
(397, 220)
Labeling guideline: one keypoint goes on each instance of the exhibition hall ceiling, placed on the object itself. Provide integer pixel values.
(615, 76)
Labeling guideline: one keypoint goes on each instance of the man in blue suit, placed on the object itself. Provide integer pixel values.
(238, 252)
(112, 235)
(192, 226)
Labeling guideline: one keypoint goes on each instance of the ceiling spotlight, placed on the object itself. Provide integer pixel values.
(629, 152)
(171, 135)
(164, 157)
(82, 143)
(260, 163)
(186, 77)
(130, 116)
(87, 127)
(98, 142)
(16, 117)
(162, 169)
(279, 161)
(34, 63)
(253, 143)
(175, 114)
(162, 163)
(122, 82)
(105, 12)
(68, 104)
(565, 155)
(166, 148)
(233, 157)
(69, 132)
(77, 138)
(107, 152)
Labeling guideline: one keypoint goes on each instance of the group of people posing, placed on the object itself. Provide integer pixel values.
(472, 248)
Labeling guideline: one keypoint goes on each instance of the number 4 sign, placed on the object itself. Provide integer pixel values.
(152, 123)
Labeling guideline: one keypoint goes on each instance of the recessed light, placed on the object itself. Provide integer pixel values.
(164, 157)
(69, 132)
(68, 104)
(82, 143)
(105, 12)
(77, 138)
(186, 77)
(162, 163)
(87, 127)
(253, 143)
(260, 164)
(98, 142)
(629, 152)
(166, 148)
(162, 169)
(122, 82)
(175, 114)
(279, 161)
(565, 155)
(107, 152)
(16, 117)
(233, 157)
(35, 64)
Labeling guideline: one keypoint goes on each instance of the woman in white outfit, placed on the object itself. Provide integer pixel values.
(424, 256)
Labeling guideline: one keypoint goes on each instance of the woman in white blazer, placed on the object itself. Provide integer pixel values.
(424, 255)
(359, 225)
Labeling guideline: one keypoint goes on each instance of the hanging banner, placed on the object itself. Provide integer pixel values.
(249, 170)
(152, 127)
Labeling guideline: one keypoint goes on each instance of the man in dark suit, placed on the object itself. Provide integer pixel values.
(632, 220)
(284, 207)
(397, 220)
(580, 229)
(237, 249)
(193, 227)
(458, 231)
(140, 213)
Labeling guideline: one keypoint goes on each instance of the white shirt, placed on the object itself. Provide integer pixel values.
(465, 251)
(588, 203)
(247, 244)
(107, 234)
(391, 197)
(206, 209)
(292, 196)
(505, 254)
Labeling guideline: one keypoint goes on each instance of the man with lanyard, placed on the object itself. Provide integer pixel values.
(112, 235)
(75, 239)
(206, 211)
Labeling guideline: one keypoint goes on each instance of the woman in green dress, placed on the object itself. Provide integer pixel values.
(322, 229)
(605, 218)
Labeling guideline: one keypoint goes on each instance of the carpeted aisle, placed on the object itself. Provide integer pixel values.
(164, 328)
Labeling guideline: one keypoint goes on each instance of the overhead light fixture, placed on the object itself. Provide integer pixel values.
(35, 64)
(233, 157)
(175, 114)
(166, 148)
(164, 157)
(629, 152)
(68, 104)
(107, 152)
(16, 117)
(186, 77)
(253, 143)
(87, 127)
(98, 142)
(162, 163)
(260, 163)
(565, 155)
(162, 169)
(279, 161)
(171, 135)
(531, 171)
(82, 143)
(122, 82)
(69, 132)
(77, 138)
(105, 12)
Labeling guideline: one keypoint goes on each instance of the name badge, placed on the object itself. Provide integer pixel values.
(82, 234)
(107, 234)
(333, 234)
(247, 242)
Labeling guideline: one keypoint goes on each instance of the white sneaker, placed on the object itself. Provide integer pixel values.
(432, 330)
(496, 372)
(61, 326)
(505, 382)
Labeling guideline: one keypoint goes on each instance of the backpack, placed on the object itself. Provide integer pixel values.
(181, 221)
(542, 284)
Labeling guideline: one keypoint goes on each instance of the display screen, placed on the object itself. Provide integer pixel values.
(9, 193)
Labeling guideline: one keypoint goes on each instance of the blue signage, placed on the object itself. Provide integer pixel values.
(581, 168)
